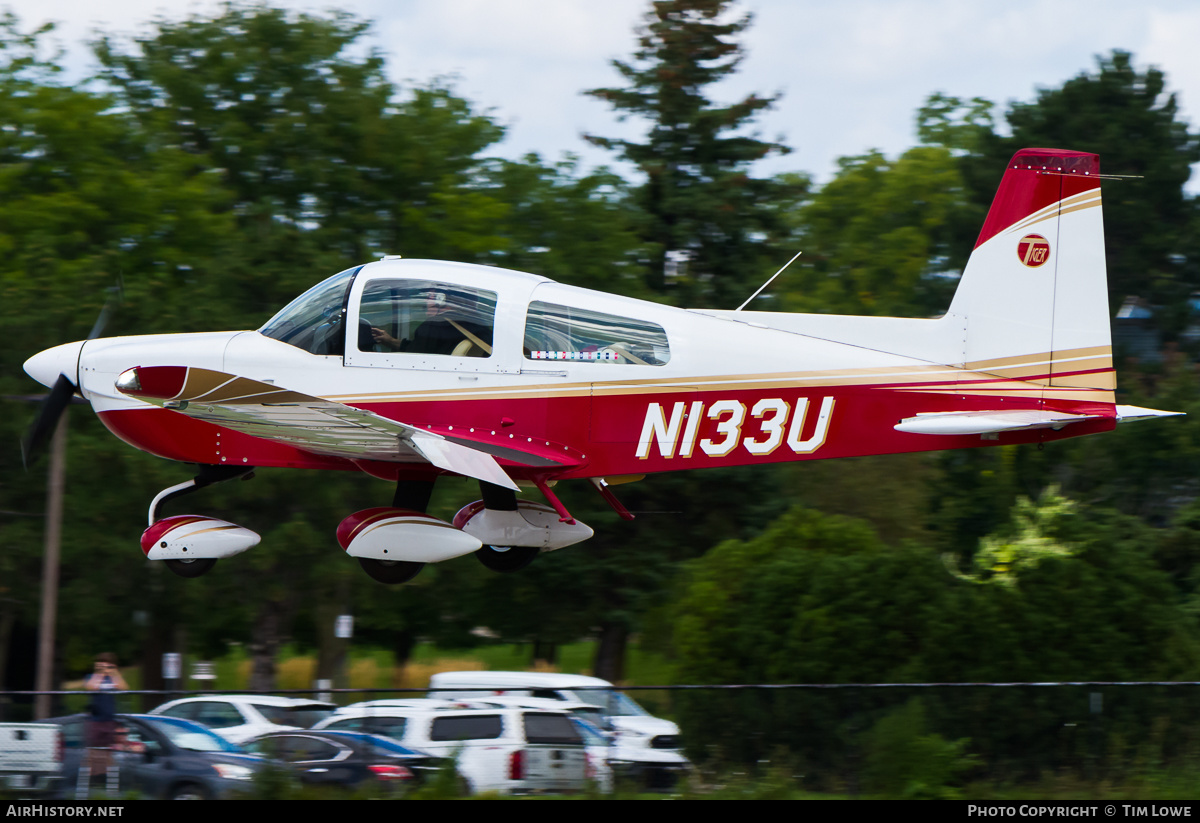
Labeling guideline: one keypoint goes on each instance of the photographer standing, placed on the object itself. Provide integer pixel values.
(102, 726)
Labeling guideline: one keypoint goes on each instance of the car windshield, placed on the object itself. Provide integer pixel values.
(592, 736)
(594, 716)
(190, 736)
(618, 705)
(305, 717)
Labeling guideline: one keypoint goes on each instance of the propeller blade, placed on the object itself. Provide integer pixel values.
(50, 410)
(114, 299)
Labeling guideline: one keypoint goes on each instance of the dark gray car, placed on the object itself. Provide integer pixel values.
(160, 757)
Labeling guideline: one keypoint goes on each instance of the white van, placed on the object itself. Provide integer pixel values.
(508, 750)
(632, 724)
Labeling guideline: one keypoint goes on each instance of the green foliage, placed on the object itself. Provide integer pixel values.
(875, 237)
(1132, 121)
(698, 197)
(819, 599)
(1002, 559)
(903, 759)
(274, 782)
(575, 228)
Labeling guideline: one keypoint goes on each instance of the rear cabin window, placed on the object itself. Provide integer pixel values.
(550, 728)
(426, 317)
(475, 727)
(554, 332)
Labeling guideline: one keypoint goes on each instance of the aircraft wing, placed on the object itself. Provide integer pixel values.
(306, 422)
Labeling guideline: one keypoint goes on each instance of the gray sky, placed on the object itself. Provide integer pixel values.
(852, 73)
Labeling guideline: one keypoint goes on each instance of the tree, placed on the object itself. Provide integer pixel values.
(574, 228)
(1062, 594)
(1129, 118)
(328, 165)
(86, 203)
(700, 203)
(876, 236)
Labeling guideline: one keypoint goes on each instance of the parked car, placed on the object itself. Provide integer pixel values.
(622, 715)
(30, 757)
(239, 717)
(507, 750)
(160, 757)
(349, 760)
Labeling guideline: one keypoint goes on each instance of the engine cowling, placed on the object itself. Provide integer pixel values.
(532, 524)
(387, 533)
(196, 537)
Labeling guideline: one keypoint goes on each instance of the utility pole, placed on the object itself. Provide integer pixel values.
(50, 560)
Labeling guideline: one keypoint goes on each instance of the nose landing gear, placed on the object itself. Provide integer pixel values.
(191, 544)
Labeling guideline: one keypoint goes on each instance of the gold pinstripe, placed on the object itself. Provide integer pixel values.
(1018, 368)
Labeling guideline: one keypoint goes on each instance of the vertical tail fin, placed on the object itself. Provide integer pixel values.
(1034, 296)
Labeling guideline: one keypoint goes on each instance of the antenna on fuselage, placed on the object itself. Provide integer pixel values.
(764, 285)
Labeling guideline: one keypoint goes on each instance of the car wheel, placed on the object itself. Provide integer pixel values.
(189, 791)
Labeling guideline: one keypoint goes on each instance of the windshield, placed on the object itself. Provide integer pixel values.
(305, 718)
(190, 736)
(313, 321)
(592, 736)
(618, 705)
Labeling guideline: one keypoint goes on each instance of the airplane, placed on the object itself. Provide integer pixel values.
(409, 370)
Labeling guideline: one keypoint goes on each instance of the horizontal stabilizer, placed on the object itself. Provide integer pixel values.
(988, 422)
(1128, 413)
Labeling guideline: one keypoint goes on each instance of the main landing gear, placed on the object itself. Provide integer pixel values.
(191, 544)
(503, 559)
(393, 543)
(412, 495)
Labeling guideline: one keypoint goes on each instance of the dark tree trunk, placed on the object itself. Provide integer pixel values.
(610, 652)
(153, 648)
(266, 639)
(545, 651)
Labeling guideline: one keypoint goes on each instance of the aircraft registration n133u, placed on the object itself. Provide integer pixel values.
(412, 369)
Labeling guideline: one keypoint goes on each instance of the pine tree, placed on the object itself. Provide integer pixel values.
(702, 207)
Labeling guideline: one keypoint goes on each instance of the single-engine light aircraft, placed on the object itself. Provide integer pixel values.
(413, 369)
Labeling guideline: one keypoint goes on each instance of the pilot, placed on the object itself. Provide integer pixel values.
(451, 326)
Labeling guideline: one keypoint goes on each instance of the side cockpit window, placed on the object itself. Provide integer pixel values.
(314, 320)
(554, 332)
(426, 317)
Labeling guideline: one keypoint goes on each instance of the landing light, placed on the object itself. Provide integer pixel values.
(128, 381)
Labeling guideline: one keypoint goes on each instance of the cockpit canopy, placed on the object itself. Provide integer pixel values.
(422, 315)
